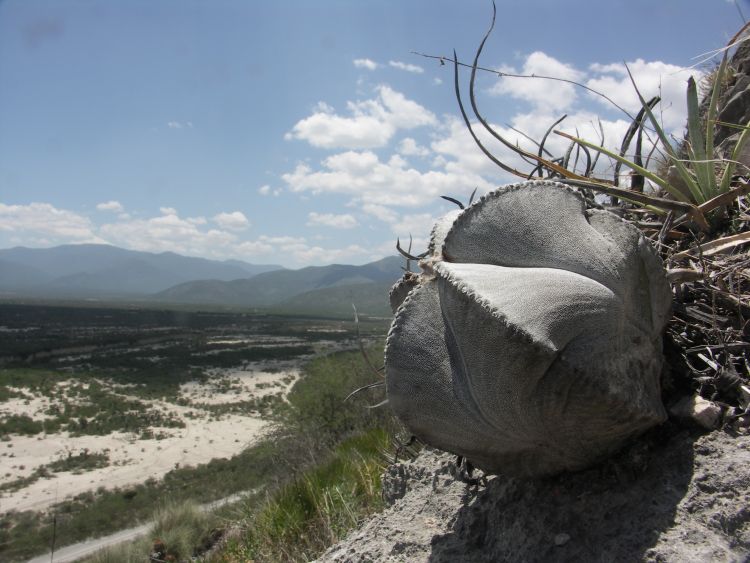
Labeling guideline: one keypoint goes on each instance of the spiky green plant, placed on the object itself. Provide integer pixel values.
(699, 171)
(703, 192)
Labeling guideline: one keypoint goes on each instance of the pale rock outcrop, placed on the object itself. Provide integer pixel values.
(675, 496)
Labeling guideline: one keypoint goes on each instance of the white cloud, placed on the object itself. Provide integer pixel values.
(169, 232)
(168, 211)
(409, 147)
(302, 252)
(404, 113)
(385, 214)
(180, 124)
(541, 93)
(464, 157)
(283, 242)
(370, 181)
(332, 131)
(112, 205)
(268, 190)
(234, 221)
(653, 78)
(44, 222)
(251, 248)
(550, 98)
(365, 63)
(323, 107)
(437, 81)
(307, 254)
(418, 225)
(372, 122)
(344, 221)
(299, 250)
(406, 66)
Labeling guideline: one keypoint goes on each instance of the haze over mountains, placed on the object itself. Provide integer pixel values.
(92, 271)
(312, 289)
(98, 269)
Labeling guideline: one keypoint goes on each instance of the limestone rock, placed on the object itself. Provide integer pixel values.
(697, 410)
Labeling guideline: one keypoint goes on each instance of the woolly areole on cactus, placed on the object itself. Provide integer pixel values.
(531, 341)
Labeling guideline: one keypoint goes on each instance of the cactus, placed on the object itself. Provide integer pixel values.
(530, 343)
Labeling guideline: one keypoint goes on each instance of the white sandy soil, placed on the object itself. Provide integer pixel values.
(131, 460)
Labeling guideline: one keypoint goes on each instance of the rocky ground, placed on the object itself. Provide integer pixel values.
(675, 495)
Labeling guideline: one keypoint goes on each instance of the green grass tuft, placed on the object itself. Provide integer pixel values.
(304, 517)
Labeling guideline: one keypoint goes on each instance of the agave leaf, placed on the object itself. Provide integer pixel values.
(652, 203)
(732, 163)
(704, 170)
(713, 108)
(639, 169)
(681, 168)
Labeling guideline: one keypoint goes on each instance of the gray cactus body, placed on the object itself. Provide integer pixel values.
(531, 342)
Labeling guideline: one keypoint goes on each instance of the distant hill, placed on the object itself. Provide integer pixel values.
(371, 299)
(98, 270)
(295, 288)
(16, 275)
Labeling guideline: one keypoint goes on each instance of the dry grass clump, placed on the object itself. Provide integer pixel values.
(298, 521)
(181, 531)
(708, 332)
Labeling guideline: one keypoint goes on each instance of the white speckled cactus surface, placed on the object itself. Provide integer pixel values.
(531, 341)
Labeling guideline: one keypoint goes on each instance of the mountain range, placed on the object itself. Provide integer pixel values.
(93, 271)
(99, 270)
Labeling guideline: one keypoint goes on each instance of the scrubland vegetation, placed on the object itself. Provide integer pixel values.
(322, 448)
(315, 478)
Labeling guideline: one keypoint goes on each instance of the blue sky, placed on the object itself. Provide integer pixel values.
(300, 132)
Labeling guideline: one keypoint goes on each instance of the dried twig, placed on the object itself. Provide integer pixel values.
(502, 74)
(362, 350)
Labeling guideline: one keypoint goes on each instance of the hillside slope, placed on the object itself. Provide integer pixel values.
(370, 299)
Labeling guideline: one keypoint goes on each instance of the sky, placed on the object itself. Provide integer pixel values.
(304, 132)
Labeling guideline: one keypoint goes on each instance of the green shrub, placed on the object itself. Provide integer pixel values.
(80, 462)
(21, 424)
